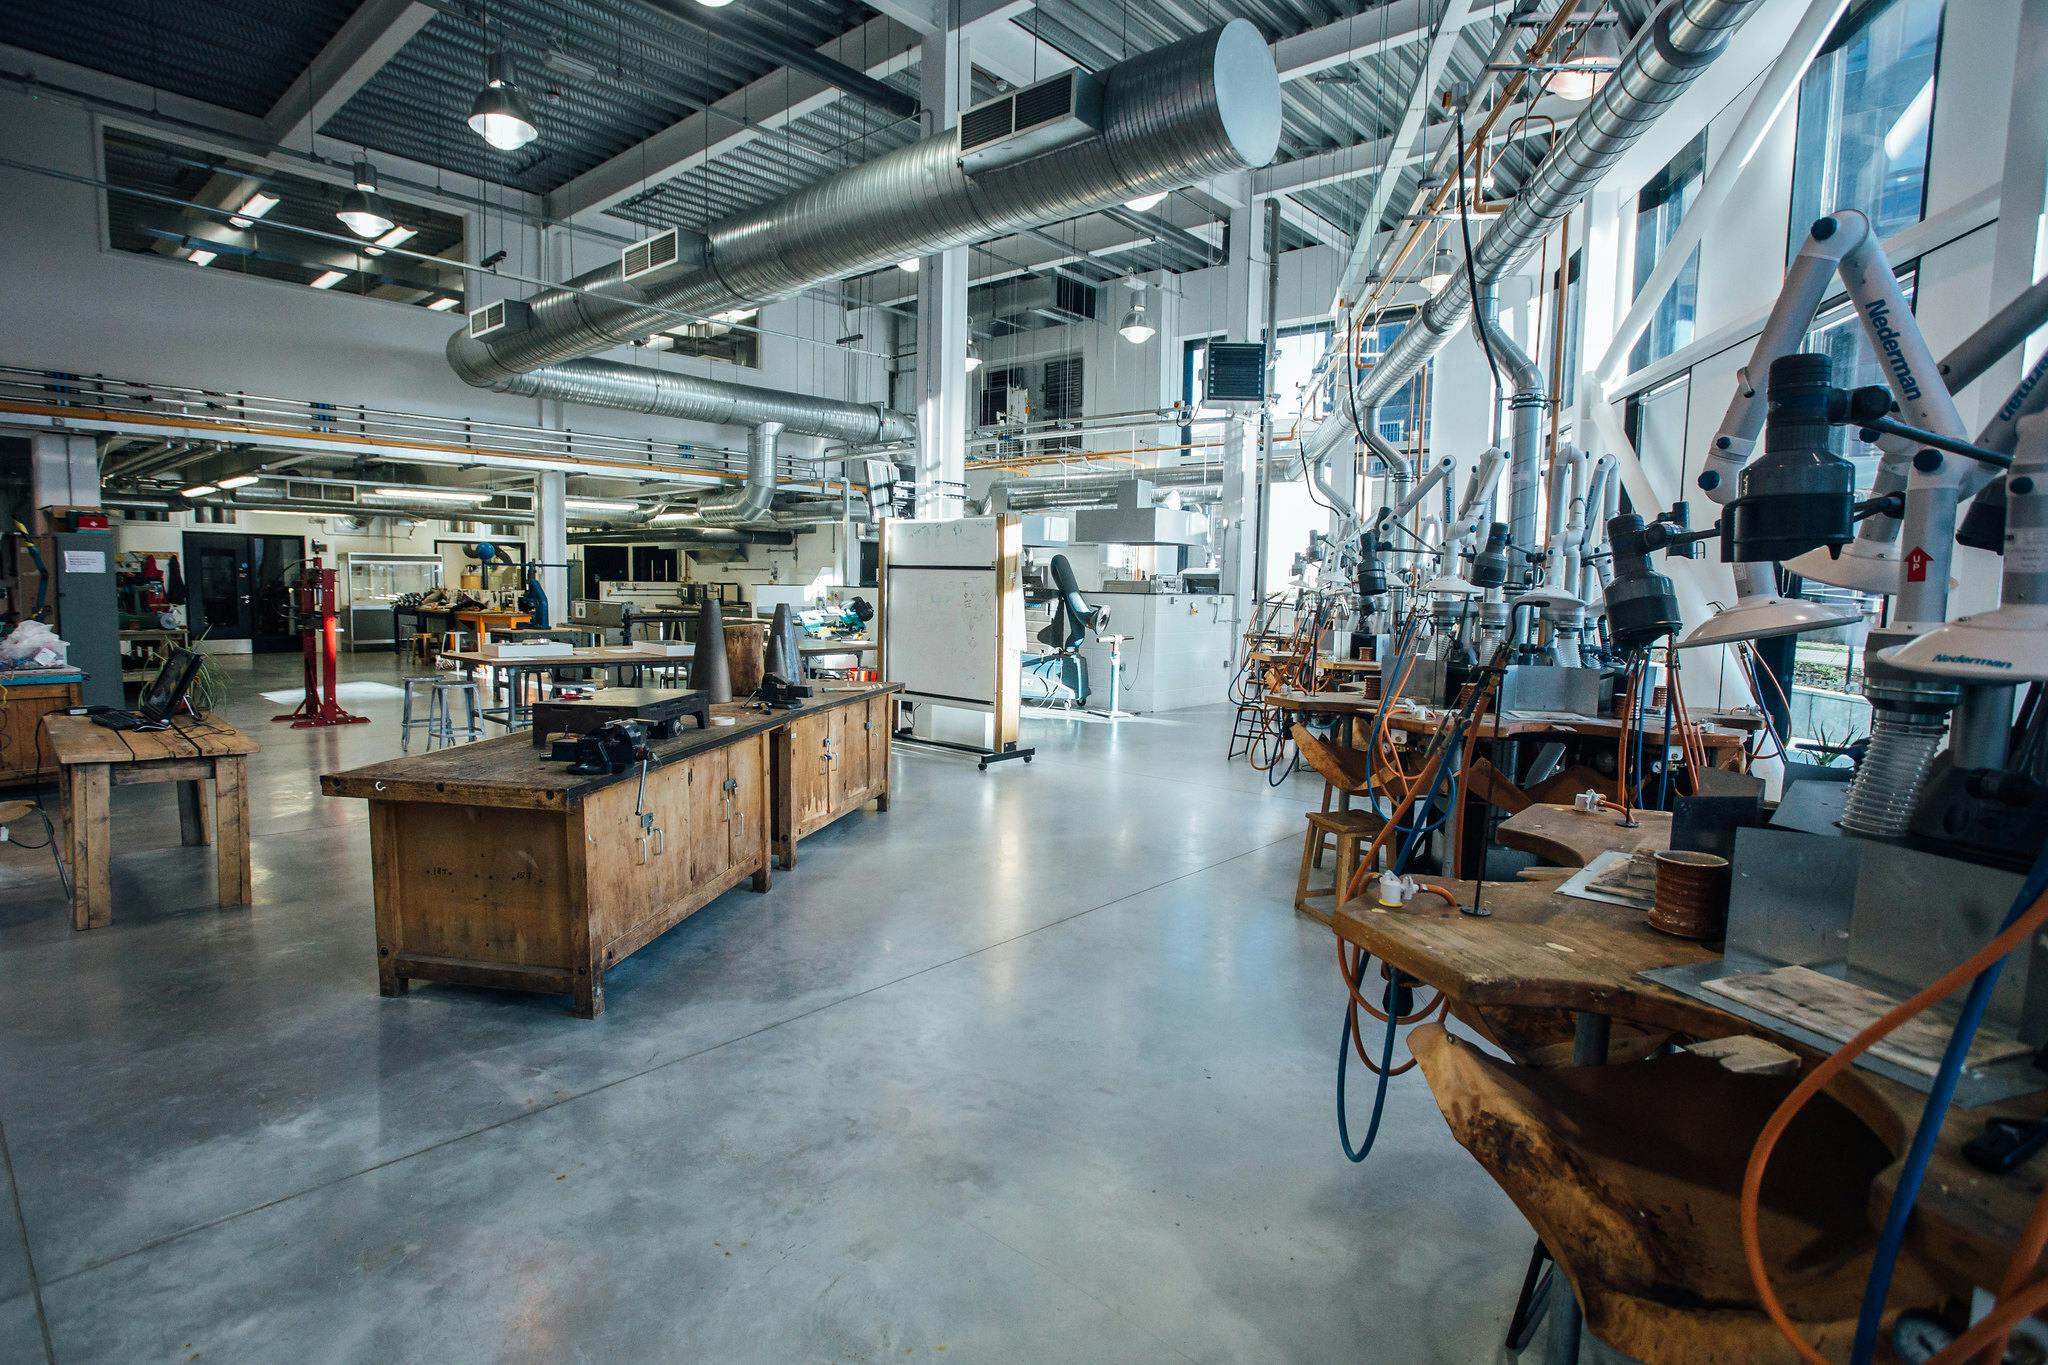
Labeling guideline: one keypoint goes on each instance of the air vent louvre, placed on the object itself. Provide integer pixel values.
(1045, 101)
(506, 315)
(986, 122)
(658, 252)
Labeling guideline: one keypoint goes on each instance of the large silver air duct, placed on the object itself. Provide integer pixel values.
(1680, 41)
(1184, 113)
(662, 394)
(752, 500)
(1526, 406)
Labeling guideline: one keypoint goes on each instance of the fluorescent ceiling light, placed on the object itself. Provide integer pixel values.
(398, 236)
(200, 490)
(328, 279)
(599, 505)
(441, 305)
(203, 257)
(909, 264)
(500, 115)
(254, 207)
(1136, 327)
(429, 495)
(236, 481)
(1145, 203)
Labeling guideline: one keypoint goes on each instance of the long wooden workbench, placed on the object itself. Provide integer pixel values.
(497, 867)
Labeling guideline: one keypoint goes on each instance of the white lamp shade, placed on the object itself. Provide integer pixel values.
(1450, 585)
(1136, 327)
(1766, 618)
(1145, 203)
(1549, 597)
(500, 117)
(364, 214)
(2007, 645)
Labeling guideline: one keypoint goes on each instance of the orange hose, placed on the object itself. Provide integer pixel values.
(1996, 1325)
(2025, 1256)
(1812, 1084)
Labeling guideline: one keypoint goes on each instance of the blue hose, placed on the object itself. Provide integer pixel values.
(1870, 1319)
(1379, 1099)
(1664, 781)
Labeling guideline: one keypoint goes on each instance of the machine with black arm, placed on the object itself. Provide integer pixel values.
(1063, 672)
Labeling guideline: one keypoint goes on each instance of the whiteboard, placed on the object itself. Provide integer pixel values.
(952, 610)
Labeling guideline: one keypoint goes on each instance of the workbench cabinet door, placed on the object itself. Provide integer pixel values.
(710, 841)
(747, 813)
(880, 713)
(849, 765)
(810, 769)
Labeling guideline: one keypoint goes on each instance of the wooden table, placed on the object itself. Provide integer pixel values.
(496, 867)
(1542, 958)
(1570, 837)
(26, 696)
(516, 714)
(193, 750)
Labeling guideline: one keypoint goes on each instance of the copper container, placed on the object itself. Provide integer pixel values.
(1692, 894)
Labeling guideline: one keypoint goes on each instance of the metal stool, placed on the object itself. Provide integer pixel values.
(406, 723)
(441, 712)
(452, 642)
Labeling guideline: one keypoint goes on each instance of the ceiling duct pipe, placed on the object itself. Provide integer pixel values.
(1678, 43)
(658, 393)
(1181, 114)
(1007, 488)
(1526, 406)
(752, 501)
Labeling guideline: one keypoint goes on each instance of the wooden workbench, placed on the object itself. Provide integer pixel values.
(26, 696)
(497, 867)
(1584, 1151)
(193, 750)
(1570, 837)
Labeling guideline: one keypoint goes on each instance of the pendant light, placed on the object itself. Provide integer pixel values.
(500, 115)
(1136, 327)
(361, 209)
(1145, 203)
(973, 355)
(1442, 266)
(1582, 74)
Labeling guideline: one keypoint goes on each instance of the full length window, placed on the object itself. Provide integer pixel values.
(1660, 207)
(1866, 107)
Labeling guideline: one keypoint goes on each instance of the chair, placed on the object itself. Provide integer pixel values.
(1344, 770)
(407, 722)
(441, 711)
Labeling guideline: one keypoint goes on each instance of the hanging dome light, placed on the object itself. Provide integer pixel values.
(1442, 266)
(361, 209)
(1136, 327)
(1589, 66)
(1145, 203)
(973, 356)
(500, 115)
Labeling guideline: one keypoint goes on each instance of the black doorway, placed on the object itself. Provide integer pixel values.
(237, 588)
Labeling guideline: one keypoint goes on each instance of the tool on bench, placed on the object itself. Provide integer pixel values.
(610, 748)
(661, 709)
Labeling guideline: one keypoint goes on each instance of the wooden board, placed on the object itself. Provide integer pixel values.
(1840, 1010)
(1569, 837)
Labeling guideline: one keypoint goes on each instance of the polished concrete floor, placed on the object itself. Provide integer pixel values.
(1038, 1066)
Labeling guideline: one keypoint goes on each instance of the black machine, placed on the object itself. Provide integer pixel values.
(1072, 619)
(161, 700)
(612, 747)
(659, 711)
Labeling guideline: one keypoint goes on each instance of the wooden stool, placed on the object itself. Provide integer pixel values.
(1352, 830)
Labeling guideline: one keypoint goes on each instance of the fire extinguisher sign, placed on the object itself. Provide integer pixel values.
(1916, 565)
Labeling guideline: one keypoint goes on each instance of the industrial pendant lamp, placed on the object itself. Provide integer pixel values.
(1442, 266)
(361, 209)
(1145, 203)
(1582, 74)
(500, 115)
(973, 356)
(1136, 327)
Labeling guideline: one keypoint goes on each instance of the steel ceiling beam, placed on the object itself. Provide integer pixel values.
(366, 40)
(1395, 24)
(744, 32)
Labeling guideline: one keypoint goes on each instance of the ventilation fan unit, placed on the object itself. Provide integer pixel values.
(499, 319)
(659, 254)
(1053, 113)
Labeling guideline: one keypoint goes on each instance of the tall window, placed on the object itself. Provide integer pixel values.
(1865, 109)
(1660, 207)
(1568, 341)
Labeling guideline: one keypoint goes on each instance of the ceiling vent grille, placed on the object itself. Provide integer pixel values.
(663, 252)
(496, 319)
(1054, 113)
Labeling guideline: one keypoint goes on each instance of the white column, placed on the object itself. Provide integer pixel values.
(1244, 283)
(551, 540)
(942, 316)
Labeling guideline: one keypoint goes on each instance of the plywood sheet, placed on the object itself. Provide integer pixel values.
(1838, 1009)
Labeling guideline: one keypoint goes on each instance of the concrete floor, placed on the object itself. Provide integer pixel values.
(1036, 1067)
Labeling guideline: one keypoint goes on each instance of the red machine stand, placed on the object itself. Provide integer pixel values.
(315, 611)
